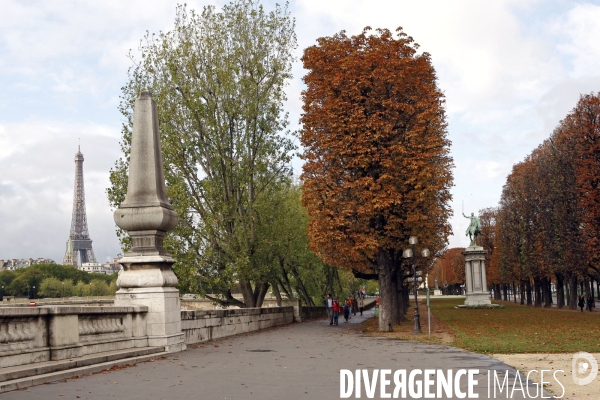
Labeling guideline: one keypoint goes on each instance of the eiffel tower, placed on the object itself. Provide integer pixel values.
(79, 245)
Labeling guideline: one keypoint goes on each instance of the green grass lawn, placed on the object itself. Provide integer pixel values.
(520, 329)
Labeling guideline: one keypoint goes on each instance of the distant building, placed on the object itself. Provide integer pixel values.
(106, 268)
(12, 264)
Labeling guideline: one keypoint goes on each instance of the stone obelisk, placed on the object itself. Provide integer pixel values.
(146, 214)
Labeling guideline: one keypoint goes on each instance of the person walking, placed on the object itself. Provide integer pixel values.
(590, 302)
(349, 302)
(581, 303)
(336, 311)
(330, 308)
(361, 305)
(346, 310)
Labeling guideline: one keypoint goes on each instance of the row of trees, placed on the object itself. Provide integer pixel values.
(546, 229)
(218, 79)
(47, 280)
(54, 287)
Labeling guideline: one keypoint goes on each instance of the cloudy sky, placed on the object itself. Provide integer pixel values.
(510, 69)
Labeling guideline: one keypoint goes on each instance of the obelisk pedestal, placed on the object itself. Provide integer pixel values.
(147, 278)
(475, 280)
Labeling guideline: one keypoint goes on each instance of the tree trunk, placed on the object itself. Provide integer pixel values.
(406, 296)
(386, 289)
(329, 282)
(522, 293)
(402, 306)
(307, 299)
(396, 301)
(586, 282)
(287, 290)
(260, 291)
(573, 294)
(498, 292)
(560, 291)
(528, 288)
(514, 289)
(277, 293)
(247, 293)
(538, 292)
(285, 283)
(505, 291)
(547, 292)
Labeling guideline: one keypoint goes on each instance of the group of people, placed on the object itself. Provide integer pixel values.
(586, 301)
(350, 307)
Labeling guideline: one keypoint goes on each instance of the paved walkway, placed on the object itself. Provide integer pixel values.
(298, 361)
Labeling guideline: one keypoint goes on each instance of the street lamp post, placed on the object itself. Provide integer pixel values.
(2, 294)
(63, 290)
(33, 292)
(410, 253)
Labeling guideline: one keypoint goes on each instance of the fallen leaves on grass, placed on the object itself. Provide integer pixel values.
(518, 329)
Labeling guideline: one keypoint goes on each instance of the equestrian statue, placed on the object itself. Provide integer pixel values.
(474, 229)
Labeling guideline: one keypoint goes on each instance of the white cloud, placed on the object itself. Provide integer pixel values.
(577, 33)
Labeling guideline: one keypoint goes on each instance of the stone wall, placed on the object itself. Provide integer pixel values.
(200, 326)
(36, 334)
(312, 313)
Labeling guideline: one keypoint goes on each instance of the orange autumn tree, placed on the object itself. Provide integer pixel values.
(583, 125)
(377, 166)
(456, 261)
(488, 242)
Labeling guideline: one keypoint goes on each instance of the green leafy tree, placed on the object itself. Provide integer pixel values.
(296, 269)
(6, 277)
(81, 289)
(67, 288)
(20, 282)
(51, 287)
(25, 281)
(98, 287)
(218, 79)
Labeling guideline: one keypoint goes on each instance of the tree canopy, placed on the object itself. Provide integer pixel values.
(377, 166)
(20, 281)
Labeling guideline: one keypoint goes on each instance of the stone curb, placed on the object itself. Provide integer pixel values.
(23, 383)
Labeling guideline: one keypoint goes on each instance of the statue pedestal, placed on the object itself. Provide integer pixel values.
(475, 280)
(148, 281)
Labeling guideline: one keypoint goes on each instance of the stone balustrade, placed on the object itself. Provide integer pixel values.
(200, 326)
(36, 334)
(51, 333)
